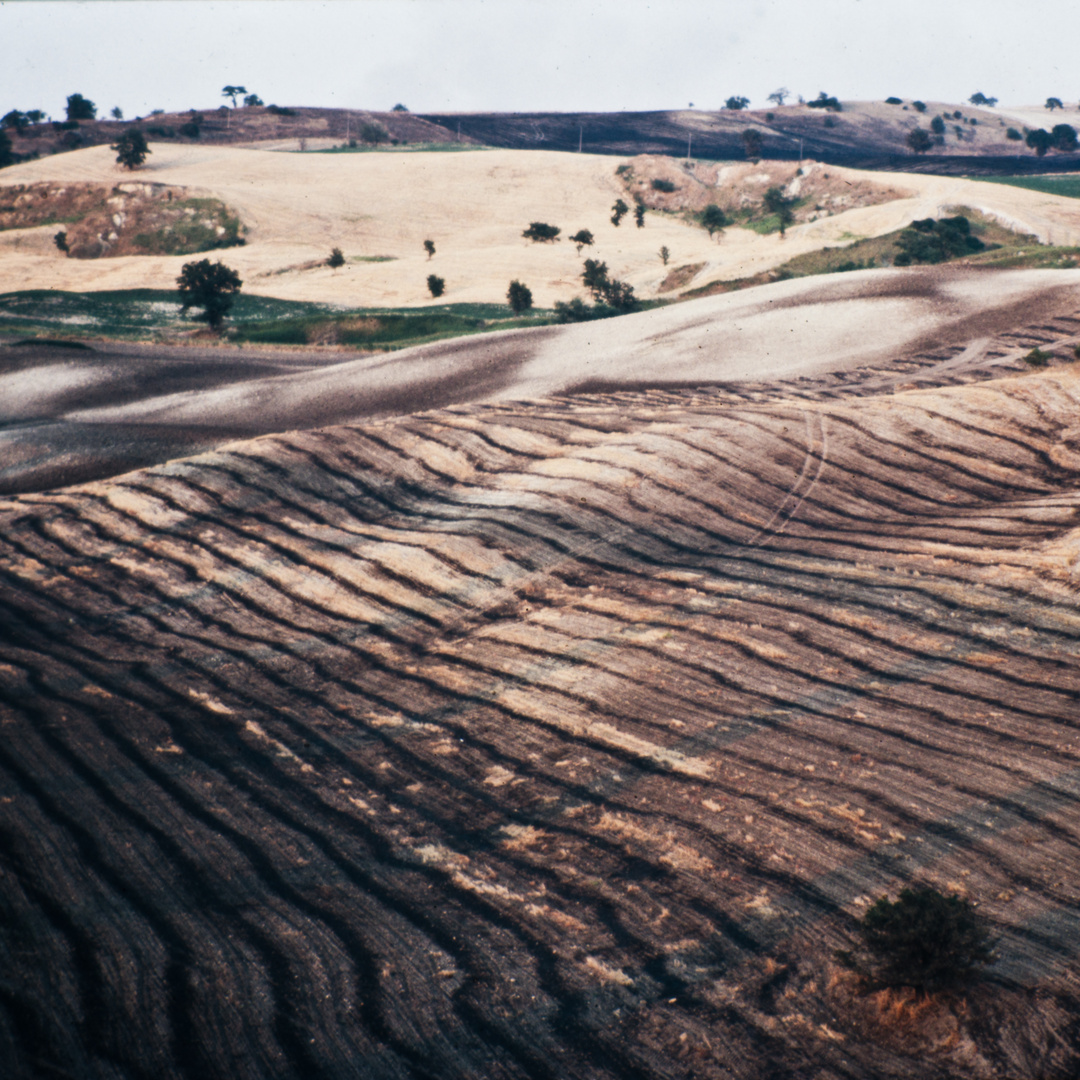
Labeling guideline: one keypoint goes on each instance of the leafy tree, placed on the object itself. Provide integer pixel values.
(374, 133)
(1014, 135)
(595, 277)
(924, 940)
(117, 113)
(519, 297)
(60, 240)
(15, 119)
(1053, 103)
(937, 125)
(7, 157)
(713, 219)
(211, 286)
(778, 96)
(776, 202)
(336, 258)
(752, 143)
(429, 247)
(930, 241)
(666, 186)
(1040, 141)
(539, 232)
(919, 106)
(582, 238)
(233, 92)
(979, 98)
(80, 108)
(618, 211)
(399, 108)
(736, 103)
(639, 215)
(824, 101)
(35, 116)
(894, 101)
(131, 149)
(436, 285)
(252, 100)
(665, 254)
(1064, 136)
(919, 141)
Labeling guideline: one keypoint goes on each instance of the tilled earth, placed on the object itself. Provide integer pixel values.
(564, 738)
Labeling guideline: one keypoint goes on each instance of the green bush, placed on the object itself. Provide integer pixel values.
(336, 258)
(930, 241)
(919, 106)
(893, 101)
(1013, 134)
(436, 285)
(1037, 358)
(924, 940)
(824, 101)
(539, 232)
(519, 297)
(663, 185)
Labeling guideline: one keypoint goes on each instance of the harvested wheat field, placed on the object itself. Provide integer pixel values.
(554, 738)
(474, 206)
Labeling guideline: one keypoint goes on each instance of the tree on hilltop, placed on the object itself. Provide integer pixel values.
(1053, 103)
(80, 108)
(211, 286)
(131, 149)
(252, 100)
(736, 103)
(233, 92)
(979, 98)
(777, 96)
(15, 119)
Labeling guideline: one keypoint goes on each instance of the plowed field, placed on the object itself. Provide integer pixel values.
(563, 738)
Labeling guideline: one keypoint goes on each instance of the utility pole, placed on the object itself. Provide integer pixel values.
(580, 137)
(688, 138)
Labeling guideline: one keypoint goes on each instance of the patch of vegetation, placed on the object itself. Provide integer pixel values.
(1069, 186)
(664, 185)
(825, 101)
(894, 101)
(402, 148)
(372, 258)
(540, 232)
(1037, 358)
(923, 939)
(519, 297)
(335, 259)
(208, 227)
(932, 240)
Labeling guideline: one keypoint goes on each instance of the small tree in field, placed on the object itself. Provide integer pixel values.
(429, 247)
(436, 285)
(582, 238)
(639, 215)
(713, 219)
(1040, 141)
(211, 286)
(131, 149)
(117, 113)
(919, 140)
(252, 100)
(539, 232)
(60, 240)
(665, 254)
(924, 940)
(618, 211)
(336, 259)
(519, 297)
(80, 108)
(752, 143)
(776, 202)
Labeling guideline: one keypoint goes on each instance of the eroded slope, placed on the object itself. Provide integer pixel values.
(552, 739)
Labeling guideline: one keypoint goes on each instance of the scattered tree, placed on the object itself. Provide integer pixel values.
(1014, 135)
(336, 258)
(930, 241)
(429, 247)
(60, 240)
(1053, 103)
(894, 101)
(374, 133)
(131, 149)
(539, 232)
(919, 106)
(211, 286)
(1064, 136)
(919, 141)
(35, 116)
(979, 98)
(1040, 141)
(1037, 358)
(117, 113)
(436, 285)
(252, 100)
(519, 297)
(666, 186)
(825, 101)
(639, 215)
(233, 92)
(713, 219)
(618, 211)
(595, 277)
(80, 108)
(15, 120)
(7, 157)
(778, 96)
(924, 940)
(582, 238)
(752, 143)
(736, 103)
(776, 202)
(937, 125)
(399, 108)
(665, 254)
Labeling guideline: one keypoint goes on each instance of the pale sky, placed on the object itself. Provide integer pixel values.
(524, 55)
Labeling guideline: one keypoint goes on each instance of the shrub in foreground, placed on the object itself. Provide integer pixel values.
(519, 297)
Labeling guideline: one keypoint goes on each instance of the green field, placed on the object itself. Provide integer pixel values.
(154, 315)
(1068, 185)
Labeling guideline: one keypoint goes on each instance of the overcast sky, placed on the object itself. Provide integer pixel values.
(521, 55)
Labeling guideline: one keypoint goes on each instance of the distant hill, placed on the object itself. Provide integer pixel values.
(867, 135)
